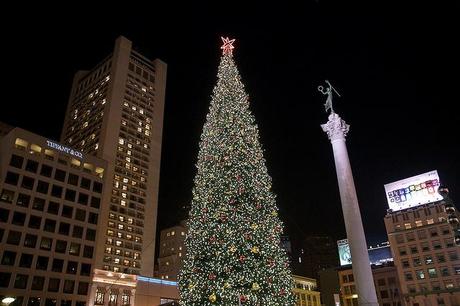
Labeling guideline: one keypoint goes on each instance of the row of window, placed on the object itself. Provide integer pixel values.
(44, 263)
(46, 243)
(23, 281)
(422, 234)
(425, 246)
(428, 260)
(431, 273)
(37, 301)
(417, 214)
(435, 286)
(49, 225)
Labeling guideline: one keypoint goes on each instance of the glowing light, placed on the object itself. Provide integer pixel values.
(227, 47)
(8, 300)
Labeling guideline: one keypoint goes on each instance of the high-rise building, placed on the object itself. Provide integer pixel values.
(316, 253)
(172, 250)
(50, 205)
(425, 254)
(115, 112)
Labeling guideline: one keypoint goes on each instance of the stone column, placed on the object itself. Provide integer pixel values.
(336, 130)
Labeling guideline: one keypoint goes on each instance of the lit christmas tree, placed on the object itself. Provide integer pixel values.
(233, 242)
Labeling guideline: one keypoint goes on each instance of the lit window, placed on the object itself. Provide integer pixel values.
(173, 233)
(182, 233)
(103, 101)
(180, 254)
(85, 124)
(116, 260)
(121, 141)
(430, 221)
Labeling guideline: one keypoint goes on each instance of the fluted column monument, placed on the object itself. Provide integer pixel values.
(337, 130)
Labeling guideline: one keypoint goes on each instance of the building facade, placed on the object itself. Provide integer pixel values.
(305, 291)
(386, 284)
(172, 250)
(50, 204)
(115, 112)
(425, 255)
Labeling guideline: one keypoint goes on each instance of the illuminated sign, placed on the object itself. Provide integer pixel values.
(344, 252)
(413, 191)
(64, 149)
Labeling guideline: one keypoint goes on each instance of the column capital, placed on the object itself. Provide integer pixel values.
(336, 128)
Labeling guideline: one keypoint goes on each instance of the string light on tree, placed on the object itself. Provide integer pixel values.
(233, 251)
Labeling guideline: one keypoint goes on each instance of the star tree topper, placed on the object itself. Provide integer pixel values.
(227, 47)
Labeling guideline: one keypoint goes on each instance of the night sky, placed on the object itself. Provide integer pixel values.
(395, 67)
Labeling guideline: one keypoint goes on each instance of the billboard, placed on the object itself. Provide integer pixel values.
(344, 252)
(378, 255)
(413, 191)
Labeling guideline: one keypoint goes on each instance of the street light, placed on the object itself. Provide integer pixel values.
(8, 300)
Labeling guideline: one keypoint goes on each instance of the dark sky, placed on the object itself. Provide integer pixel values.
(396, 68)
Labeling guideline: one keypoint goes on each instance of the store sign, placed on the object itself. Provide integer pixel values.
(344, 252)
(64, 149)
(413, 191)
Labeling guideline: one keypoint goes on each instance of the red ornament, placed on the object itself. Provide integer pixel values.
(212, 239)
(242, 258)
(243, 298)
(258, 206)
(211, 276)
(282, 291)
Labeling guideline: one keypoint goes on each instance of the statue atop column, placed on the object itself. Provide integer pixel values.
(329, 92)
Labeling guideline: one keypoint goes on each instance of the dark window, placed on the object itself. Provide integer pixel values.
(35, 222)
(12, 178)
(32, 166)
(23, 200)
(46, 170)
(72, 179)
(4, 214)
(16, 161)
(90, 234)
(51, 302)
(57, 266)
(97, 187)
(5, 279)
(64, 228)
(88, 251)
(20, 282)
(43, 187)
(77, 231)
(59, 175)
(27, 182)
(82, 290)
(33, 300)
(38, 204)
(7, 196)
(42, 263)
(74, 249)
(66, 302)
(50, 226)
(18, 218)
(95, 202)
(92, 218)
(80, 215)
(30, 241)
(46, 243)
(85, 269)
(53, 208)
(69, 286)
(8, 258)
(83, 198)
(61, 246)
(67, 211)
(56, 191)
(37, 284)
(2, 231)
(70, 195)
(53, 285)
(384, 294)
(85, 183)
(26, 260)
(72, 267)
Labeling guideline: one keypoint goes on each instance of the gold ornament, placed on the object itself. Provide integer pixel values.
(274, 213)
(226, 285)
(255, 286)
(254, 226)
(255, 249)
(212, 298)
(233, 249)
(191, 286)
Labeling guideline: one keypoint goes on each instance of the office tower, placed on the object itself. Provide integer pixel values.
(425, 255)
(172, 250)
(50, 201)
(317, 253)
(115, 112)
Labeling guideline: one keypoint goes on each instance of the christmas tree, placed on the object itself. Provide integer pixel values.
(233, 242)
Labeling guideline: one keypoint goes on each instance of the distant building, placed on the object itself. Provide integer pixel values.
(385, 280)
(330, 287)
(316, 253)
(172, 251)
(306, 291)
